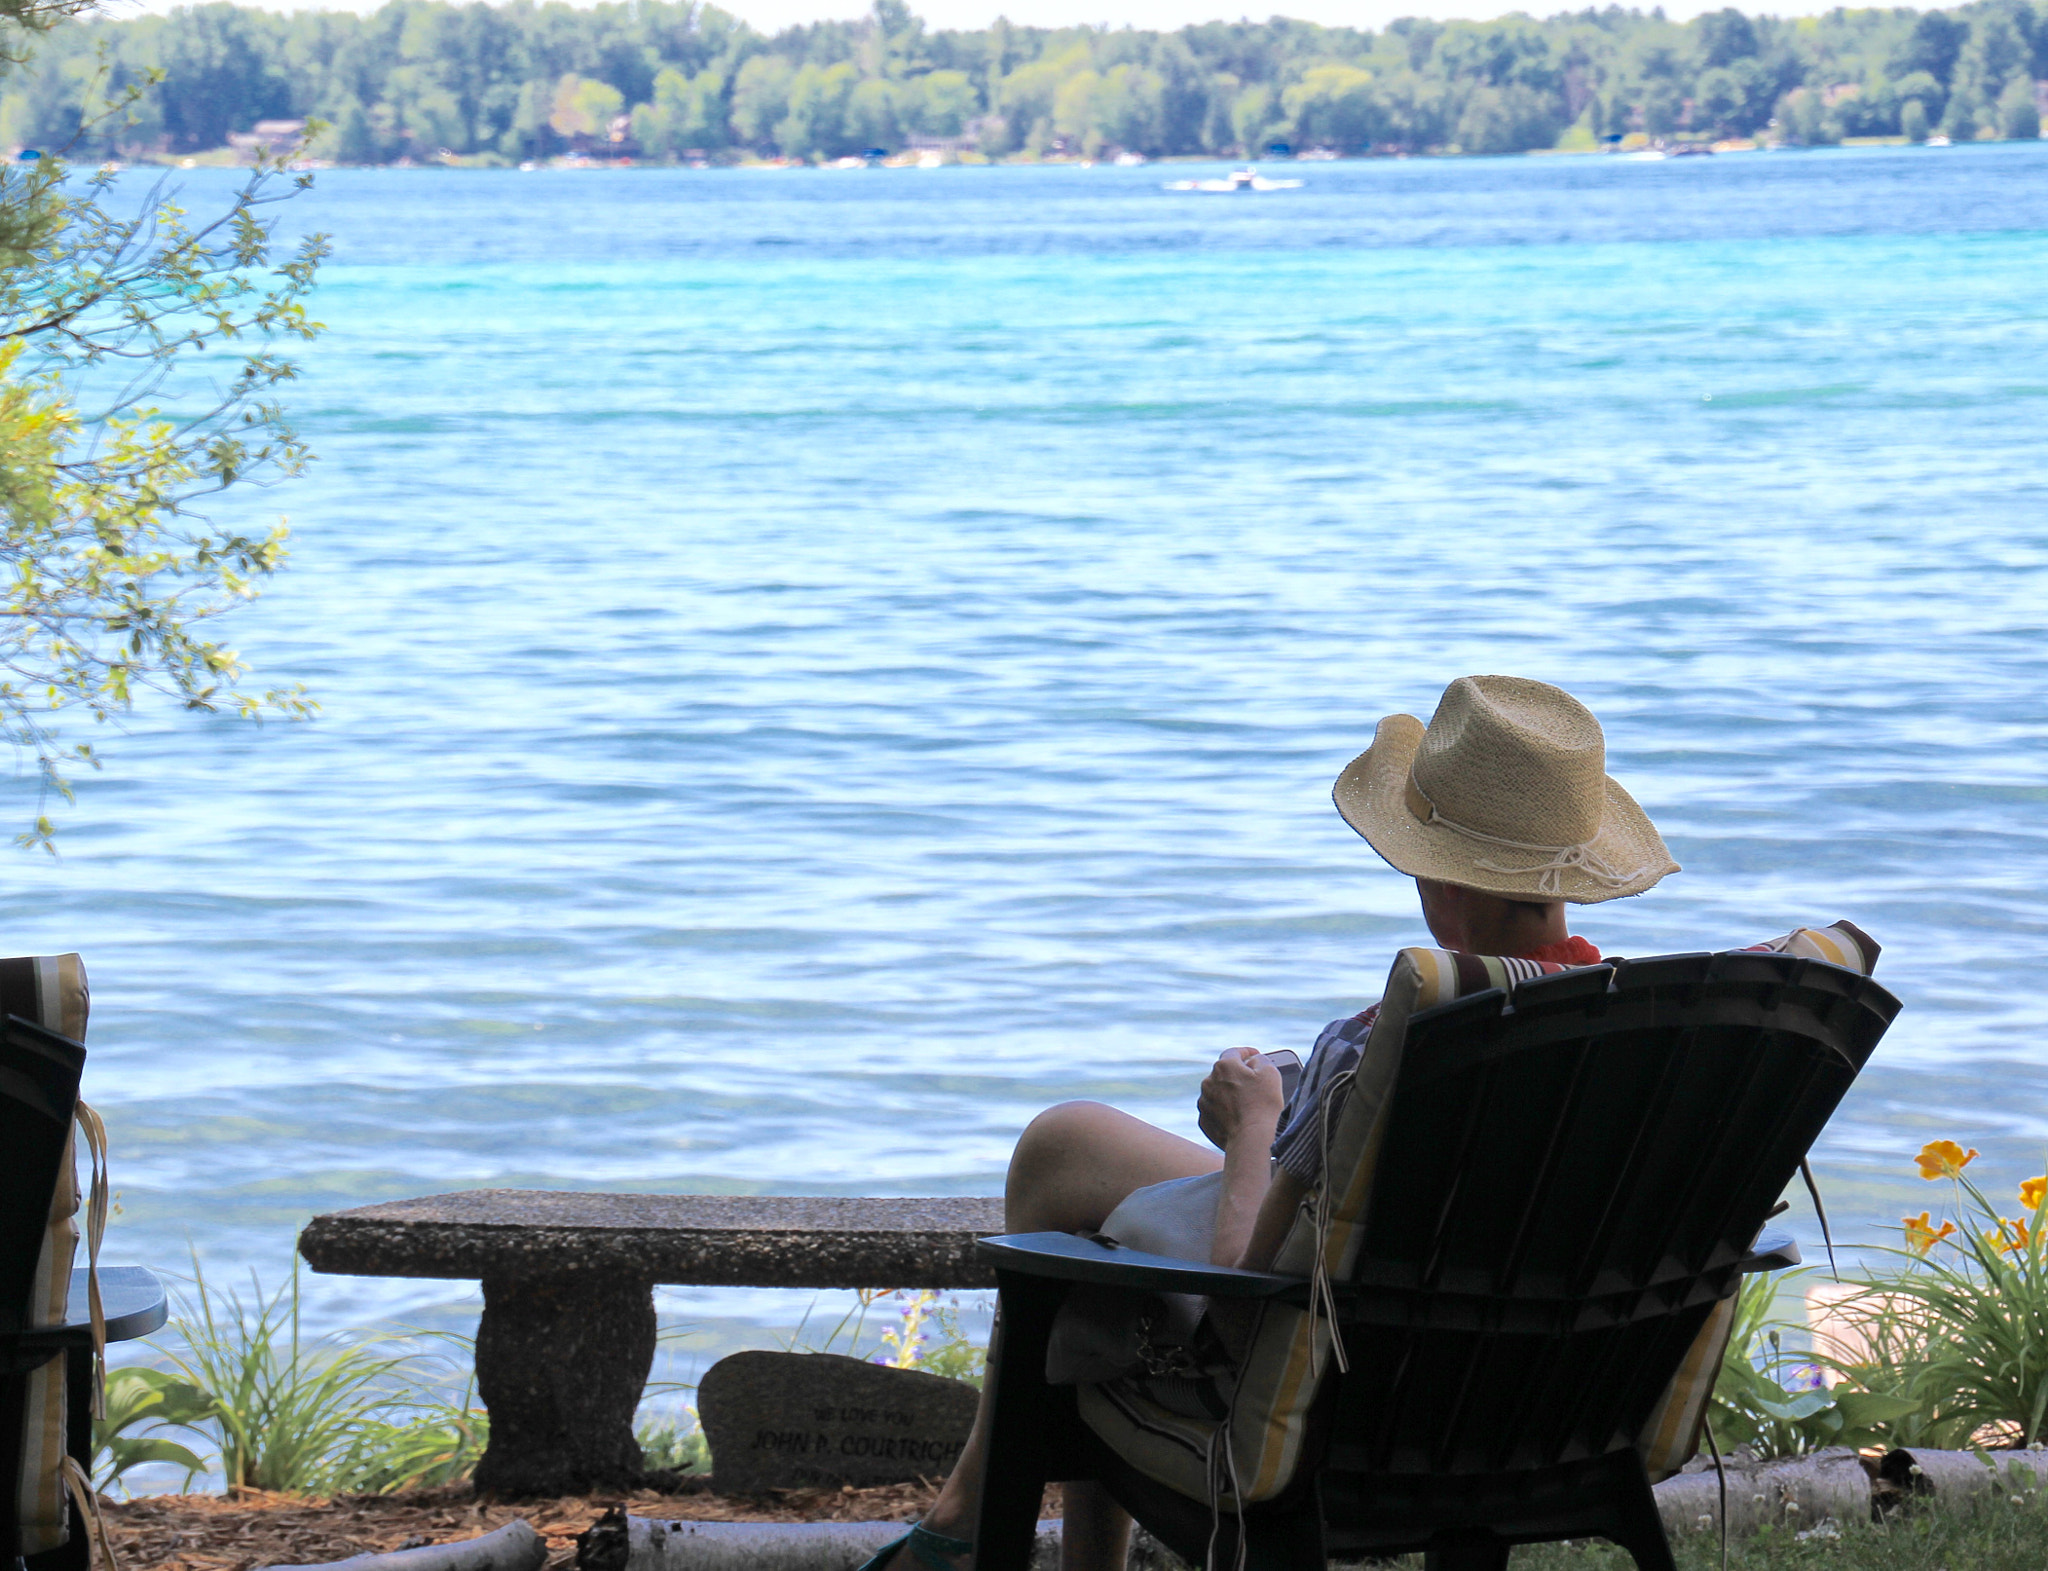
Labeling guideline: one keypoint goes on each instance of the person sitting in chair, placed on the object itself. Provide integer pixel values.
(1502, 812)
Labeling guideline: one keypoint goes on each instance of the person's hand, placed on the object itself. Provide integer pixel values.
(1241, 1098)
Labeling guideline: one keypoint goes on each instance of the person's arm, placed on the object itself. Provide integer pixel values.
(1240, 1111)
(1276, 1213)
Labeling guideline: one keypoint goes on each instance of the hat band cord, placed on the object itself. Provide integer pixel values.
(1562, 859)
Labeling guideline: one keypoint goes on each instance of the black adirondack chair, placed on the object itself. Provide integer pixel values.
(39, 1076)
(1570, 1180)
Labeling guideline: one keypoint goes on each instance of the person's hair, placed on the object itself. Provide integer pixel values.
(1535, 908)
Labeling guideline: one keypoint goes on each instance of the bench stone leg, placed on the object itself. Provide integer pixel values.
(561, 1361)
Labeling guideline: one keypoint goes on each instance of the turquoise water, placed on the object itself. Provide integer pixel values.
(820, 665)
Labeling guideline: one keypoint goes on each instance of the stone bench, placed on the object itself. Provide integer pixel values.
(567, 1336)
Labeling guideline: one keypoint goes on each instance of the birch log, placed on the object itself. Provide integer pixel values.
(513, 1547)
(1797, 1493)
(652, 1544)
(1951, 1476)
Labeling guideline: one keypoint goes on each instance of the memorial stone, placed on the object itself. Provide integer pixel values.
(783, 1420)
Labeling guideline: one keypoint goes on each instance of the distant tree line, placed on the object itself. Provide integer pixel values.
(669, 79)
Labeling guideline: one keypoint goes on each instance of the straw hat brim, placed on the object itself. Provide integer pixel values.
(1372, 795)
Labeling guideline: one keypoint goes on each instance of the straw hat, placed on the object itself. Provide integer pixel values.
(1505, 792)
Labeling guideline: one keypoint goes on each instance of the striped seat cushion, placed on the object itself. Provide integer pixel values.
(51, 991)
(1672, 1436)
(1238, 1439)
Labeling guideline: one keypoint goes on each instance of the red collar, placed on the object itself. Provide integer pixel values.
(1574, 951)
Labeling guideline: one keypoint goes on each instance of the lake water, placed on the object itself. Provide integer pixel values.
(820, 665)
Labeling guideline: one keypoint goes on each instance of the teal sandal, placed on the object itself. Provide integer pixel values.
(933, 1551)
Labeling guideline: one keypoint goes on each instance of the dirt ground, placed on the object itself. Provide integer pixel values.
(252, 1529)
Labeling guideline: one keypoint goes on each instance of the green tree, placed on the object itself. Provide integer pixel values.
(1724, 37)
(1932, 46)
(1126, 109)
(1184, 96)
(1962, 116)
(1913, 120)
(1803, 117)
(1507, 120)
(700, 114)
(1994, 56)
(816, 121)
(760, 99)
(2019, 117)
(431, 73)
(1073, 110)
(221, 73)
(1334, 106)
(354, 142)
(584, 107)
(1025, 96)
(940, 103)
(687, 115)
(1255, 117)
(428, 113)
(1719, 100)
(1920, 87)
(530, 135)
(1662, 106)
(111, 440)
(871, 117)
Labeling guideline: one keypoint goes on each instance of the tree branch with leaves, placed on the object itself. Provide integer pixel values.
(114, 436)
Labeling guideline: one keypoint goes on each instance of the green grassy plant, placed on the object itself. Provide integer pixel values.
(2006, 1533)
(669, 1447)
(287, 1415)
(1772, 1402)
(141, 1402)
(1967, 1308)
(927, 1335)
(282, 1413)
(440, 1445)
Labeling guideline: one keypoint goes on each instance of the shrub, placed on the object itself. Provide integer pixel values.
(145, 1400)
(1773, 1402)
(668, 1447)
(1960, 1324)
(284, 1414)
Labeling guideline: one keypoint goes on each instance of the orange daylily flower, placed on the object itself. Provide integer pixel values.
(2031, 1191)
(1922, 1235)
(1944, 1159)
(2010, 1238)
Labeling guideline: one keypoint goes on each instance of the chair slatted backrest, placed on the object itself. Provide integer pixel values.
(1568, 1183)
(39, 1076)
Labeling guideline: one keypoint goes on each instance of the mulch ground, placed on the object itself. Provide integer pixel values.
(250, 1529)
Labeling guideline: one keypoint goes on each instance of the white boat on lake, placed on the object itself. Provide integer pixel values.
(1246, 179)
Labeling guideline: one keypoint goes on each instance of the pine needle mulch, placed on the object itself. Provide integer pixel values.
(252, 1529)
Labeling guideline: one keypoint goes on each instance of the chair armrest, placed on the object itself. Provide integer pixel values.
(1771, 1252)
(1072, 1258)
(130, 1296)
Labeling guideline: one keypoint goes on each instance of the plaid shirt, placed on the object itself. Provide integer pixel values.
(1298, 1148)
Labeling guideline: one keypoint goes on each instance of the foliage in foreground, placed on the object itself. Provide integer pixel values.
(1997, 1536)
(927, 1334)
(240, 1394)
(281, 1413)
(112, 439)
(1946, 1346)
(666, 78)
(668, 1447)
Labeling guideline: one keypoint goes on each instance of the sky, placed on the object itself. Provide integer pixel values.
(773, 15)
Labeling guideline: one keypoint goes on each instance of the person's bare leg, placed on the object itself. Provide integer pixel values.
(1071, 1168)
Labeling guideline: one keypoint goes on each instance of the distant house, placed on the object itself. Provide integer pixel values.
(916, 142)
(278, 136)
